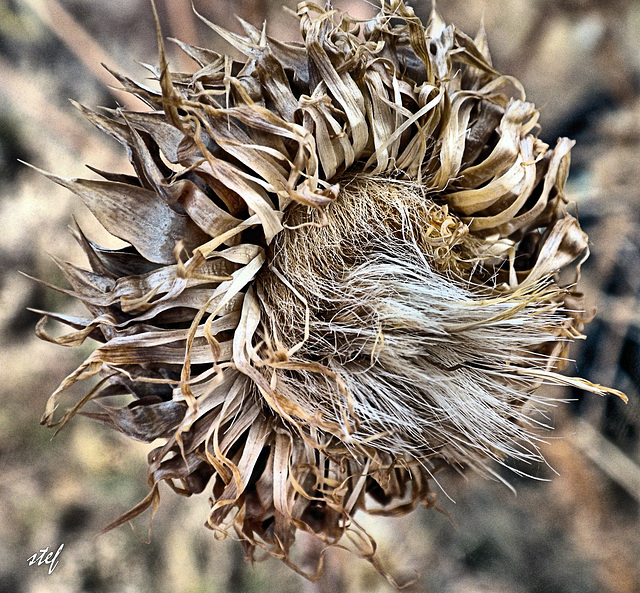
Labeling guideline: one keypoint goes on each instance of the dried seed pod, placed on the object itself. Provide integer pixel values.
(342, 273)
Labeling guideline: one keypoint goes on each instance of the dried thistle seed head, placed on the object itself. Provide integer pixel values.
(342, 273)
(428, 361)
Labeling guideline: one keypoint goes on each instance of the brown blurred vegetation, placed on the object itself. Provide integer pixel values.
(573, 527)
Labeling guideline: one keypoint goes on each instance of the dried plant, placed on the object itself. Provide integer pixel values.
(343, 274)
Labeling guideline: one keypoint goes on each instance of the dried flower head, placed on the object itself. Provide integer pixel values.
(342, 273)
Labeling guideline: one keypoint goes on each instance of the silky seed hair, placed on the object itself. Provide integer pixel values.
(342, 275)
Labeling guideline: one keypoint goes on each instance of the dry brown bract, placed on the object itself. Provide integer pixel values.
(342, 273)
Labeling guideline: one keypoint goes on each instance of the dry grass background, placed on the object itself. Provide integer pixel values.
(577, 532)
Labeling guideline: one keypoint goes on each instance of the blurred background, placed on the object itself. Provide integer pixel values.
(573, 527)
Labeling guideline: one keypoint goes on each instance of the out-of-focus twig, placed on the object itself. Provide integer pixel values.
(28, 97)
(609, 458)
(85, 48)
(183, 26)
